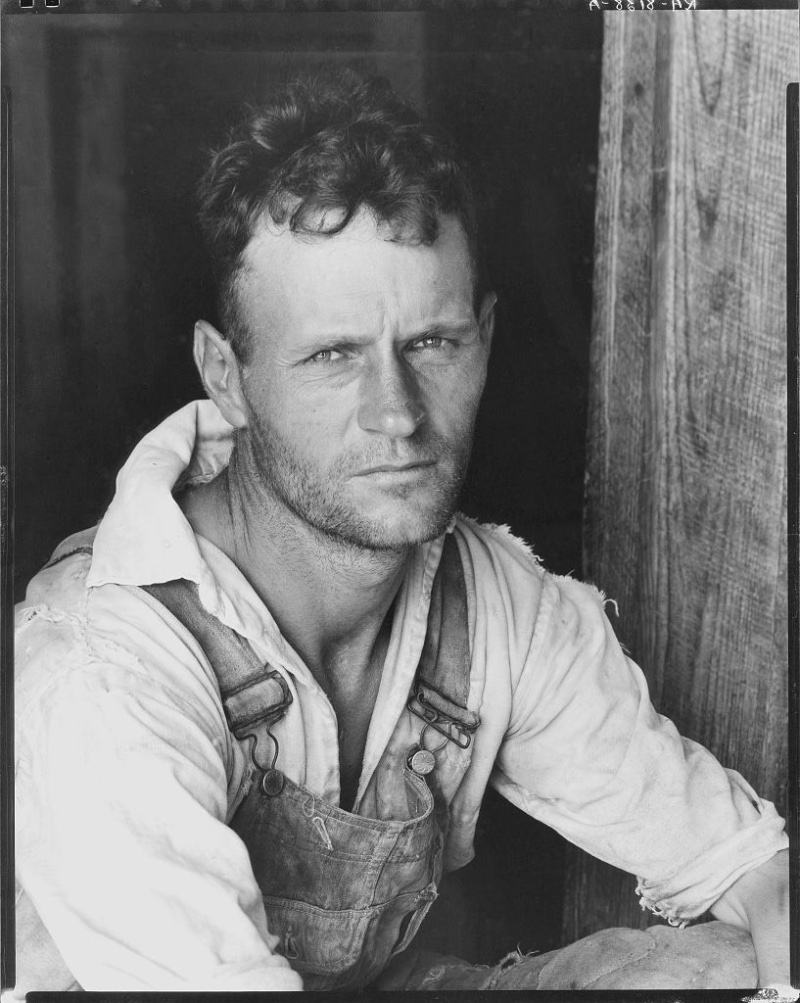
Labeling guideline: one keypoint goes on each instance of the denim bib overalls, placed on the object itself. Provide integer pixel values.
(345, 892)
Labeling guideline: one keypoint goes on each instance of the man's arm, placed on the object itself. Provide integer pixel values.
(586, 753)
(121, 786)
(759, 902)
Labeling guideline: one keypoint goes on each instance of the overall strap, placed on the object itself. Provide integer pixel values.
(252, 693)
(441, 687)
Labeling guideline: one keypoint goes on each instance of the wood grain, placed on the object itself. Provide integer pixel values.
(686, 500)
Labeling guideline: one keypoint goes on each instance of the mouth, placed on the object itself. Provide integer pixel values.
(395, 467)
(396, 470)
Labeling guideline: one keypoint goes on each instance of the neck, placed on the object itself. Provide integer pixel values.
(329, 598)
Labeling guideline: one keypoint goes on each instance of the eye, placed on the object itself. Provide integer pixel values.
(325, 355)
(429, 341)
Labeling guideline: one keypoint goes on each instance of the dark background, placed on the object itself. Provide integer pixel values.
(110, 117)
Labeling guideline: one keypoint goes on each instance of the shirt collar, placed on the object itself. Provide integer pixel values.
(144, 537)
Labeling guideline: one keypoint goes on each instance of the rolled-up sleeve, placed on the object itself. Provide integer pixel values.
(586, 753)
(122, 845)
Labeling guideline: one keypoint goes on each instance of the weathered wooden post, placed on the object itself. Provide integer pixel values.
(686, 479)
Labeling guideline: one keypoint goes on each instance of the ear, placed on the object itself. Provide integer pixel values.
(486, 319)
(219, 370)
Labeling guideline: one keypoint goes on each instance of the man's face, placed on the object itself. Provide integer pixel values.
(365, 374)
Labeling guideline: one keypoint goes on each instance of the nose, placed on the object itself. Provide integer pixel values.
(390, 401)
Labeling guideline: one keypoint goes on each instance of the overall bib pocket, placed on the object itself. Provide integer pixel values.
(343, 893)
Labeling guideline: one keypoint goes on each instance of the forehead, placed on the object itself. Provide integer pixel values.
(359, 275)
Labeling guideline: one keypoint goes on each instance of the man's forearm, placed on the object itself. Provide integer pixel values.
(759, 902)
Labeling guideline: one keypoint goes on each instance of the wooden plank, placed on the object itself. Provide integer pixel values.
(597, 896)
(686, 505)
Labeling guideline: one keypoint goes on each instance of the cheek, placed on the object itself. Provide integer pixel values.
(317, 418)
(455, 399)
(298, 412)
(313, 427)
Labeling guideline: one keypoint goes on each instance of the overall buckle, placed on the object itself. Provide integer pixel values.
(447, 726)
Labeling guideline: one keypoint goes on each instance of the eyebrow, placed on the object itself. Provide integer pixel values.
(348, 337)
(460, 327)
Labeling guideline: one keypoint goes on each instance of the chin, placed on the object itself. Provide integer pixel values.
(410, 538)
(394, 531)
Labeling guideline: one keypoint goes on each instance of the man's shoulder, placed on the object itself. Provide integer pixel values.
(76, 638)
(50, 622)
(499, 545)
(67, 623)
(497, 554)
(61, 583)
(509, 581)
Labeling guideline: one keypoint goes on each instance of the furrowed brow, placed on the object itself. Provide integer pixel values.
(332, 339)
(448, 330)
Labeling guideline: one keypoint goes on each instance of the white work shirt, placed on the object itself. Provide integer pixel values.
(126, 772)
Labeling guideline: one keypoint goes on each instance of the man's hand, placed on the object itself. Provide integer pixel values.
(759, 902)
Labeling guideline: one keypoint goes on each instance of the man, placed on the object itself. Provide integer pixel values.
(254, 775)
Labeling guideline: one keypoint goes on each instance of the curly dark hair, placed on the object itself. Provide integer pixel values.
(322, 150)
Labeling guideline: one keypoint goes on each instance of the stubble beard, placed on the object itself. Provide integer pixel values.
(318, 497)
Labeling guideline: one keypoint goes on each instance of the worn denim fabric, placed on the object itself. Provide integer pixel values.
(343, 893)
